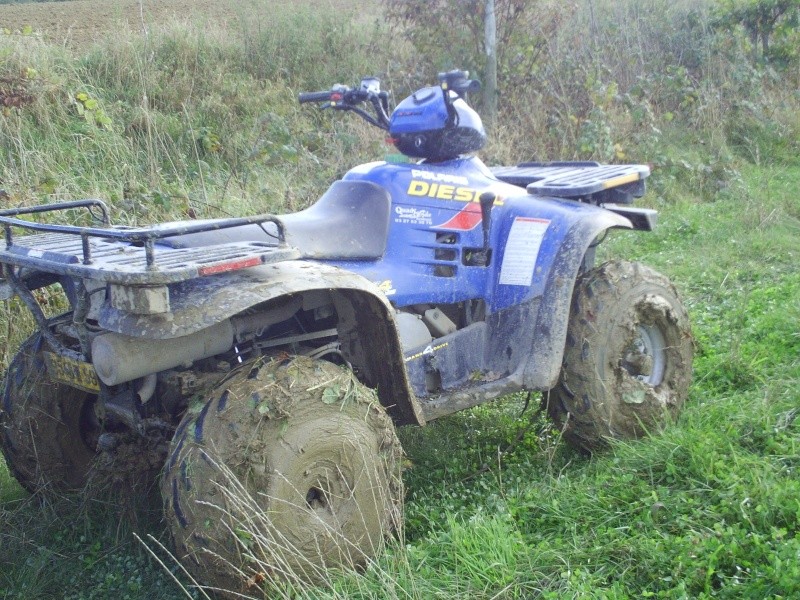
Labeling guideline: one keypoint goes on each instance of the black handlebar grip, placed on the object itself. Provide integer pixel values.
(314, 97)
(473, 86)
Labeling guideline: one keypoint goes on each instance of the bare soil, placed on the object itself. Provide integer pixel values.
(80, 23)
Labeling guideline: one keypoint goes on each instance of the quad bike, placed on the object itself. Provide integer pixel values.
(266, 361)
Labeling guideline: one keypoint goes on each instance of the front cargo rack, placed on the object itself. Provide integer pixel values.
(129, 255)
(603, 183)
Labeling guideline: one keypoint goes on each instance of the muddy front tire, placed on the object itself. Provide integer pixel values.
(288, 469)
(48, 431)
(628, 357)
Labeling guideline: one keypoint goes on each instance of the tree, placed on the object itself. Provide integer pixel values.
(490, 72)
(455, 34)
(761, 19)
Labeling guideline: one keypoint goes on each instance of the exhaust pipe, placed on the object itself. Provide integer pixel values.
(119, 358)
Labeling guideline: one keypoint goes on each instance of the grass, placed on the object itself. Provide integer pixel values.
(497, 506)
(64, 550)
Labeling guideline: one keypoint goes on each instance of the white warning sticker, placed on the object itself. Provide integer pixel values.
(522, 250)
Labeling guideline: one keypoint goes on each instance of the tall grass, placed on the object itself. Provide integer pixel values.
(199, 115)
(204, 122)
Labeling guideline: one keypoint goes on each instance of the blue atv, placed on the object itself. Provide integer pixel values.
(264, 362)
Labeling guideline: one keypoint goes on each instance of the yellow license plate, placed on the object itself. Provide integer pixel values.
(75, 373)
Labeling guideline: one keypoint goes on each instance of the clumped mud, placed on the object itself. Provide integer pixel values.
(135, 461)
(649, 408)
(289, 469)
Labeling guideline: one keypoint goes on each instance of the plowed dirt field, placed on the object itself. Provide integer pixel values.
(81, 22)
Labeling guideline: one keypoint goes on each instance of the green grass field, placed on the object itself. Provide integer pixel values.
(497, 506)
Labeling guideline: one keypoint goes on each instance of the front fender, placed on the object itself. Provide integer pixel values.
(550, 330)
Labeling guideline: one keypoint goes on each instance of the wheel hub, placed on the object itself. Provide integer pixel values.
(645, 357)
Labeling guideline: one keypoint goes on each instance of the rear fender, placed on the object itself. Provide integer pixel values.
(367, 331)
(200, 303)
(369, 337)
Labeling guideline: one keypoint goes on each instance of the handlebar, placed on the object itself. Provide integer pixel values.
(458, 82)
(341, 97)
(314, 97)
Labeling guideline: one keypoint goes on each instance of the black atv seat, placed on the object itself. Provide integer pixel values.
(349, 222)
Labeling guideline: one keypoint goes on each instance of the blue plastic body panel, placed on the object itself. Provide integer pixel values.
(537, 248)
(436, 221)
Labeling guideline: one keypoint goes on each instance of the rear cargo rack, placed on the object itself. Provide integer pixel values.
(577, 179)
(129, 255)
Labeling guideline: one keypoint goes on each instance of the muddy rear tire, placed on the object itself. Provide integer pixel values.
(48, 431)
(289, 469)
(628, 357)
